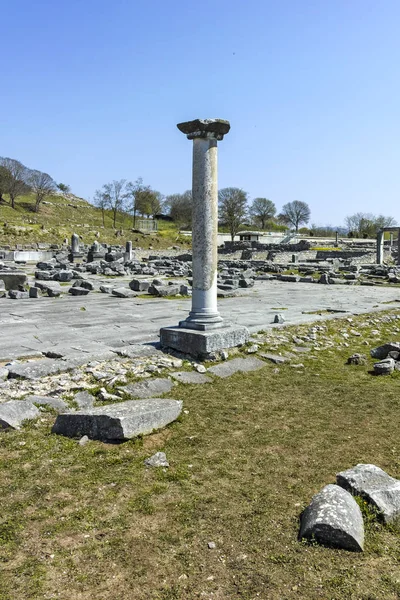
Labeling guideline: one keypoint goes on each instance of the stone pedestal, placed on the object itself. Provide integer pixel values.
(204, 331)
(128, 252)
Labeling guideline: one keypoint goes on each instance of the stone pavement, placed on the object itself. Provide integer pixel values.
(95, 324)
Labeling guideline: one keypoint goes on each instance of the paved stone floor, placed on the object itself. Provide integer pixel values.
(99, 322)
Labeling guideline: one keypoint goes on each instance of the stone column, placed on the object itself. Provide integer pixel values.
(336, 239)
(204, 332)
(74, 243)
(128, 252)
(205, 134)
(379, 247)
(398, 246)
(391, 239)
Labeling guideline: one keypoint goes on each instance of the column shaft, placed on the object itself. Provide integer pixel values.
(204, 311)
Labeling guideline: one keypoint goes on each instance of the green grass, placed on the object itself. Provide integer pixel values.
(57, 221)
(93, 522)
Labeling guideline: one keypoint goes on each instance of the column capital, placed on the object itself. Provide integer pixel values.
(205, 128)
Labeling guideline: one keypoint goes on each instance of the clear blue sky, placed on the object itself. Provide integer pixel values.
(92, 91)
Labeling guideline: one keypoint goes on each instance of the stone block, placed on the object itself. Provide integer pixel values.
(333, 518)
(203, 343)
(55, 403)
(78, 291)
(191, 377)
(120, 421)
(123, 292)
(383, 351)
(376, 486)
(15, 412)
(13, 279)
(139, 285)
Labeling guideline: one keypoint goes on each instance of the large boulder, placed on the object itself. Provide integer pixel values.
(120, 421)
(376, 486)
(333, 518)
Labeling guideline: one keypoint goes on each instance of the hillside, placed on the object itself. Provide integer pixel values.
(60, 216)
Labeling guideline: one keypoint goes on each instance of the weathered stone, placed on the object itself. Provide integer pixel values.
(384, 367)
(357, 359)
(123, 292)
(158, 459)
(84, 399)
(34, 292)
(191, 377)
(18, 295)
(13, 279)
(163, 290)
(279, 319)
(148, 388)
(15, 412)
(242, 365)
(383, 351)
(376, 486)
(64, 276)
(275, 358)
(203, 343)
(78, 291)
(119, 421)
(139, 285)
(55, 403)
(333, 518)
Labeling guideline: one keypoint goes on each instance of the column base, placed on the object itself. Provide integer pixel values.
(201, 325)
(202, 343)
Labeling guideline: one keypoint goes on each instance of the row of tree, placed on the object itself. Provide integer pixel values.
(139, 199)
(17, 180)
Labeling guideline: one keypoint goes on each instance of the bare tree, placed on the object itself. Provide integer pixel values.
(367, 224)
(102, 202)
(233, 208)
(112, 195)
(139, 194)
(42, 186)
(295, 213)
(180, 207)
(3, 182)
(261, 210)
(15, 177)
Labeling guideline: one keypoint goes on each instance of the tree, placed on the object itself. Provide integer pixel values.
(64, 188)
(180, 207)
(295, 213)
(233, 208)
(113, 195)
(14, 178)
(42, 186)
(139, 194)
(102, 202)
(367, 224)
(262, 210)
(3, 182)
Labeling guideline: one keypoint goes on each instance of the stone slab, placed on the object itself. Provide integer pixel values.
(275, 358)
(376, 486)
(55, 403)
(148, 388)
(48, 366)
(15, 412)
(191, 377)
(333, 518)
(202, 343)
(119, 421)
(237, 365)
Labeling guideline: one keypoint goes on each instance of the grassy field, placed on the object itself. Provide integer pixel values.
(59, 220)
(246, 456)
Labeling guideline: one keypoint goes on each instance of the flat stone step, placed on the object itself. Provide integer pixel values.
(242, 365)
(191, 377)
(120, 421)
(148, 388)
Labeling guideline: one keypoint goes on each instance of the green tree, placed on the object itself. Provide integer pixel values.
(15, 176)
(262, 210)
(233, 208)
(180, 207)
